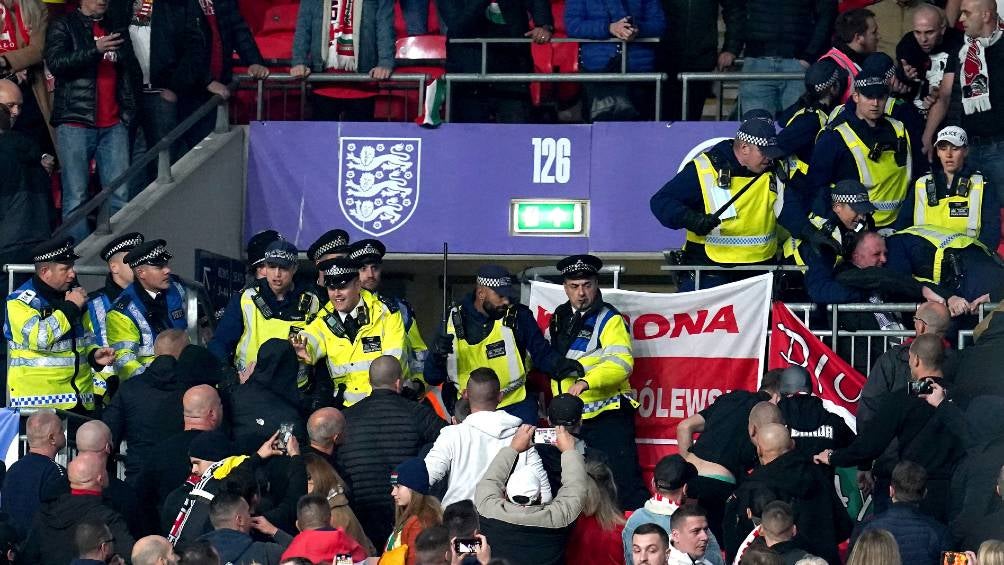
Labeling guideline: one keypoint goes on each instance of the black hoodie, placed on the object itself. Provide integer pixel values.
(979, 366)
(821, 518)
(972, 489)
(50, 541)
(268, 399)
(813, 428)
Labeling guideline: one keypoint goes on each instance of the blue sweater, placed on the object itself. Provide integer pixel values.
(591, 19)
(32, 479)
(921, 538)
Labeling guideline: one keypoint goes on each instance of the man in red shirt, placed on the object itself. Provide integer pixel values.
(93, 103)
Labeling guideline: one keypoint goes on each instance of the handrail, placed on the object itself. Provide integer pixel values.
(728, 77)
(420, 78)
(657, 78)
(485, 41)
(160, 151)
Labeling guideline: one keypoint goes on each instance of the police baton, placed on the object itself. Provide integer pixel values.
(742, 191)
(446, 305)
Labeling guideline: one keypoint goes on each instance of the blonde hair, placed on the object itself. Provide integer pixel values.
(601, 496)
(330, 485)
(875, 547)
(32, 12)
(991, 552)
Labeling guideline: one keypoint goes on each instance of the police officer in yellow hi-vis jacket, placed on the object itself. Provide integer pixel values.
(728, 220)
(154, 302)
(369, 254)
(594, 334)
(957, 197)
(52, 353)
(491, 329)
(354, 328)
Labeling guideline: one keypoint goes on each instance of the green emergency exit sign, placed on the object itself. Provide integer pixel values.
(549, 217)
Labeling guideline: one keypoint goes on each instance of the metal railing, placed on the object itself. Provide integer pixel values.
(537, 273)
(161, 151)
(698, 269)
(329, 78)
(484, 42)
(723, 77)
(195, 296)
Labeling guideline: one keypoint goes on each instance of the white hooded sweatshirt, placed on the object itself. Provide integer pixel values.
(465, 450)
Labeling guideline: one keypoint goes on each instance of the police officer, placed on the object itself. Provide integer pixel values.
(99, 302)
(956, 197)
(882, 64)
(369, 254)
(957, 263)
(271, 307)
(491, 329)
(331, 245)
(726, 232)
(154, 302)
(812, 426)
(355, 327)
(52, 355)
(593, 333)
(804, 119)
(869, 147)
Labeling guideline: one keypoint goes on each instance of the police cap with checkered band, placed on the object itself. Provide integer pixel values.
(579, 266)
(338, 272)
(58, 250)
(123, 243)
(498, 279)
(152, 252)
(758, 129)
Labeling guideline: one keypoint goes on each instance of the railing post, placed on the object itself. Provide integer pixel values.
(447, 105)
(721, 100)
(259, 102)
(686, 96)
(484, 56)
(164, 167)
(104, 219)
(623, 57)
(835, 326)
(658, 100)
(421, 93)
(222, 117)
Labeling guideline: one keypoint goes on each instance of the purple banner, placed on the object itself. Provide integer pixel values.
(415, 188)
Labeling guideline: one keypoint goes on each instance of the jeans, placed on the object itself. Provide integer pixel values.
(988, 158)
(77, 146)
(770, 95)
(155, 119)
(416, 16)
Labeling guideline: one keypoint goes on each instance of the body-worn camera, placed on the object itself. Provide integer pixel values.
(919, 387)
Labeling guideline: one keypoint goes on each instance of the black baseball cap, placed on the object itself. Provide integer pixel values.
(565, 410)
(673, 472)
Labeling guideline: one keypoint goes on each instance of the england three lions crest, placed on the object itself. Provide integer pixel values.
(378, 181)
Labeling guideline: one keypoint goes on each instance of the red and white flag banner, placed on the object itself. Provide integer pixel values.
(689, 348)
(834, 380)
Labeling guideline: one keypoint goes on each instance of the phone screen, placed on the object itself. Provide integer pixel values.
(545, 435)
(954, 558)
(466, 545)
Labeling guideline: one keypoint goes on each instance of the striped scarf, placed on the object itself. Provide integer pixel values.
(975, 71)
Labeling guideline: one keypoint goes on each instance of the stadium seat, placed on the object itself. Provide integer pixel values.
(275, 39)
(416, 54)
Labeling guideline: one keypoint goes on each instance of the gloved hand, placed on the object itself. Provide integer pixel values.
(819, 240)
(449, 394)
(699, 223)
(443, 345)
(570, 368)
(413, 389)
(340, 397)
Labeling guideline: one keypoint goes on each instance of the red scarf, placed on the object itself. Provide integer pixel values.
(10, 20)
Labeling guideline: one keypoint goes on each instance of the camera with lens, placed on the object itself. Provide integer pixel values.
(922, 386)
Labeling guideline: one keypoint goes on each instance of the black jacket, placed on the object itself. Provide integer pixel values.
(27, 212)
(891, 372)
(934, 438)
(819, 513)
(72, 56)
(235, 36)
(726, 439)
(978, 372)
(239, 548)
(50, 541)
(813, 427)
(790, 551)
(691, 38)
(527, 545)
(466, 18)
(268, 399)
(167, 471)
(972, 489)
(790, 29)
(179, 44)
(381, 431)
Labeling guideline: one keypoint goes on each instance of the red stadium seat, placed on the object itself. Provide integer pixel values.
(416, 54)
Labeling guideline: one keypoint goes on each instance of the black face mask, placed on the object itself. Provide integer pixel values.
(494, 312)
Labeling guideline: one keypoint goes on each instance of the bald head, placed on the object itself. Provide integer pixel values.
(11, 97)
(773, 441)
(934, 318)
(94, 436)
(87, 472)
(324, 427)
(483, 390)
(762, 414)
(928, 15)
(43, 428)
(202, 408)
(151, 550)
(385, 373)
(170, 342)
